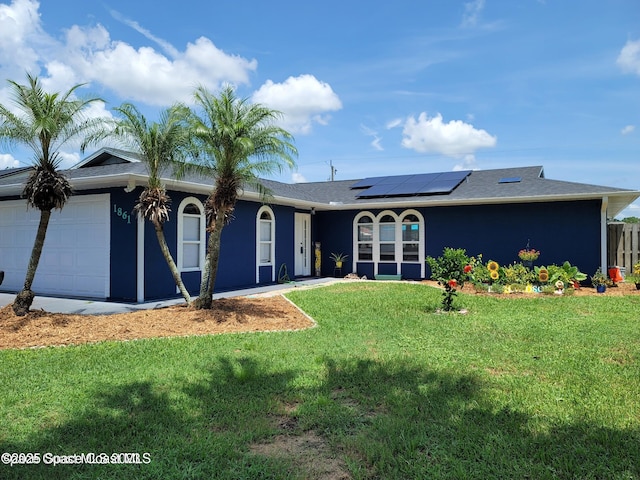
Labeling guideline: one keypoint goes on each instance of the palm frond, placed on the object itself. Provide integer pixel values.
(239, 139)
(44, 122)
(164, 145)
(154, 205)
(47, 189)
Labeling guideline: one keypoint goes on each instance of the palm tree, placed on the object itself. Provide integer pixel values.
(44, 122)
(160, 145)
(238, 141)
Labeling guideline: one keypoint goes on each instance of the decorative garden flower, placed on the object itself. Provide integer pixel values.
(560, 285)
(543, 275)
(493, 266)
(453, 283)
(528, 254)
(468, 268)
(494, 274)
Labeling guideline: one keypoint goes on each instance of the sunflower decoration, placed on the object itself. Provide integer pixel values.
(543, 275)
(493, 266)
(494, 274)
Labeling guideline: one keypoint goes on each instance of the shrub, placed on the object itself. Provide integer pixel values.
(450, 271)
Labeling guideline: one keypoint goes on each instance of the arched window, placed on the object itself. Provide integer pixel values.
(387, 238)
(266, 237)
(191, 235)
(365, 238)
(265, 241)
(410, 238)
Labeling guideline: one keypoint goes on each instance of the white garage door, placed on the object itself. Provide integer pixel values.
(75, 257)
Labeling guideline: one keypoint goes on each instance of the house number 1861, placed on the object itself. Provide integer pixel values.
(126, 216)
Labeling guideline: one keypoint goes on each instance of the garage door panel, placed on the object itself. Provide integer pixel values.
(75, 257)
(85, 285)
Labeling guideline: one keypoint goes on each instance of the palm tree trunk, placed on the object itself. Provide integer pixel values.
(24, 299)
(211, 263)
(169, 259)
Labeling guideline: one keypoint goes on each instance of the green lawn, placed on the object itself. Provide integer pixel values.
(536, 388)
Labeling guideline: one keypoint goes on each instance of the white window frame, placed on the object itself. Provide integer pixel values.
(420, 241)
(378, 241)
(356, 242)
(260, 242)
(201, 242)
(398, 240)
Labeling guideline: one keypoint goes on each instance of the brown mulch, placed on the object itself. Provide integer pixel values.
(229, 315)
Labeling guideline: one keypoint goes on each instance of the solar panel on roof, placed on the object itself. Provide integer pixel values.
(405, 185)
(376, 191)
(407, 188)
(367, 182)
(439, 186)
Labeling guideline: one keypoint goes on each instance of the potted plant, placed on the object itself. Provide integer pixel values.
(599, 281)
(634, 277)
(528, 256)
(338, 258)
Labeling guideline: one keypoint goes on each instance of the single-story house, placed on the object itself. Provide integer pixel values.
(97, 248)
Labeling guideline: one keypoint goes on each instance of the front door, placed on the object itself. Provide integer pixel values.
(302, 245)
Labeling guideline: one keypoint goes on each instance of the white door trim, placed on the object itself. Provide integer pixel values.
(302, 244)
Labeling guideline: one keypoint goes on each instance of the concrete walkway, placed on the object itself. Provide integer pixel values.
(91, 307)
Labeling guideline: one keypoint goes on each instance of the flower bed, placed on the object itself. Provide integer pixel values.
(454, 268)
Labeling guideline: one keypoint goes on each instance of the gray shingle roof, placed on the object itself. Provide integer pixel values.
(480, 187)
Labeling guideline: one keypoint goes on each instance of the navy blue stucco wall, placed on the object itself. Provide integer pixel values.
(560, 230)
(285, 236)
(334, 230)
(123, 244)
(158, 280)
(237, 266)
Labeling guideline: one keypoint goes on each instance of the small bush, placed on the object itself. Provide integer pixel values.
(450, 271)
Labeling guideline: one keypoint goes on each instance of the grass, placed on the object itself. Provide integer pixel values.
(517, 388)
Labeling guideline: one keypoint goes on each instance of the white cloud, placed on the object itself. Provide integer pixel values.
(304, 100)
(629, 57)
(396, 122)
(166, 46)
(7, 161)
(468, 163)
(376, 143)
(89, 55)
(472, 11)
(628, 129)
(454, 139)
(21, 37)
(298, 178)
(148, 76)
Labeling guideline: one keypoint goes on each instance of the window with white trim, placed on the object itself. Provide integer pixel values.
(410, 238)
(365, 238)
(387, 238)
(265, 233)
(191, 235)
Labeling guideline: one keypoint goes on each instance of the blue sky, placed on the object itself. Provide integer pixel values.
(374, 88)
